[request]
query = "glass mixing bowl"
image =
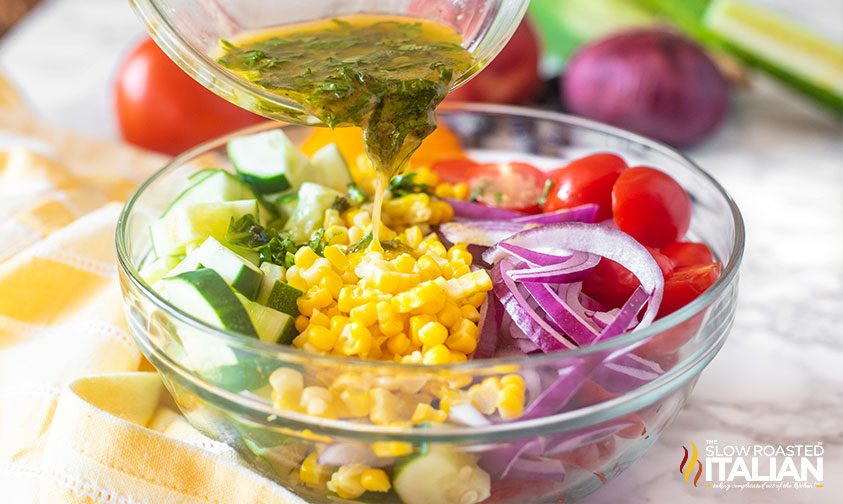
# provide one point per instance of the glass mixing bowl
(189, 32)
(219, 379)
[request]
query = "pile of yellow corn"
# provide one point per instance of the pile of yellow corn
(418, 303)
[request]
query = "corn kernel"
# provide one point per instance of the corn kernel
(461, 191)
(319, 318)
(392, 448)
(432, 334)
(514, 379)
(470, 313)
(305, 256)
(357, 402)
(302, 323)
(338, 323)
(457, 357)
(321, 337)
(311, 473)
(427, 413)
(462, 342)
(336, 257)
(337, 235)
(332, 282)
(375, 480)
(366, 314)
(345, 482)
(444, 190)
(384, 406)
(510, 401)
(398, 344)
(355, 339)
(438, 354)
(316, 401)
(287, 385)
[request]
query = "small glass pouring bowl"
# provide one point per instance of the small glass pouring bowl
(220, 379)
(189, 32)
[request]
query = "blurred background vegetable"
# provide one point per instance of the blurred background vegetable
(161, 108)
(650, 81)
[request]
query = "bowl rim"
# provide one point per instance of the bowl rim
(726, 278)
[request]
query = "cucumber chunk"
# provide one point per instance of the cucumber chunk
(283, 297)
(236, 270)
(271, 274)
(271, 325)
(190, 225)
(331, 168)
(204, 294)
(442, 475)
(211, 186)
(155, 270)
(269, 161)
(314, 199)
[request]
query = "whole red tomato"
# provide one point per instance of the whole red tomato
(161, 108)
(650, 206)
(585, 180)
(512, 77)
(684, 254)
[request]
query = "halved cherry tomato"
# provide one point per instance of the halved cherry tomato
(514, 186)
(610, 284)
(685, 285)
(650, 206)
(684, 254)
(585, 180)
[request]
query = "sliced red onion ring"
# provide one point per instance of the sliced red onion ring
(582, 213)
(339, 454)
(537, 469)
(573, 269)
(568, 441)
(626, 372)
(489, 327)
(466, 414)
(499, 461)
(531, 323)
(468, 210)
(625, 316)
(486, 233)
(533, 257)
(602, 241)
(572, 324)
(556, 396)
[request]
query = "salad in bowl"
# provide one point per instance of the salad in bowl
(533, 309)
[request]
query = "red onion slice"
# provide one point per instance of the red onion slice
(531, 323)
(339, 454)
(489, 327)
(602, 241)
(626, 372)
(574, 269)
(568, 441)
(486, 233)
(559, 393)
(531, 256)
(626, 315)
(468, 210)
(572, 324)
(466, 414)
(537, 469)
(582, 213)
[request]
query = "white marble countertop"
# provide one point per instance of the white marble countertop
(778, 380)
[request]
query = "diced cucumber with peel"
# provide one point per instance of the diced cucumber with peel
(204, 294)
(442, 475)
(269, 161)
(190, 225)
(271, 273)
(271, 325)
(212, 186)
(314, 199)
(283, 297)
(236, 270)
(156, 269)
(331, 168)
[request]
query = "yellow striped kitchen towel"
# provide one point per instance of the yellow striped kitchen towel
(83, 417)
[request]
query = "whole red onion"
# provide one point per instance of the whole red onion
(653, 82)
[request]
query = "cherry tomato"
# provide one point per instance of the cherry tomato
(514, 186)
(585, 180)
(650, 206)
(610, 284)
(684, 254)
(161, 108)
(686, 284)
